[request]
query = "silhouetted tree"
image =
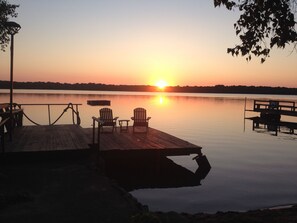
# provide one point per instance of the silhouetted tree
(262, 25)
(6, 10)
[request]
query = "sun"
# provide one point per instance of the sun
(161, 84)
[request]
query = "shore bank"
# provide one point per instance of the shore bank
(62, 191)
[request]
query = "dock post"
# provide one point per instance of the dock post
(98, 136)
(244, 114)
(98, 131)
(93, 131)
(49, 114)
(203, 166)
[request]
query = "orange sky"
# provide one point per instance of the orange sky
(136, 42)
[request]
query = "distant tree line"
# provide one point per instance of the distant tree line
(76, 86)
(238, 89)
(235, 89)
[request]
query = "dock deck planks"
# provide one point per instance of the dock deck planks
(152, 140)
(73, 137)
(47, 138)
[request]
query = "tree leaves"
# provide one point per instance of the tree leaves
(6, 10)
(262, 25)
(228, 4)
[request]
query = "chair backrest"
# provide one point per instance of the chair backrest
(140, 114)
(106, 114)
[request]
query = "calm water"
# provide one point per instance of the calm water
(250, 169)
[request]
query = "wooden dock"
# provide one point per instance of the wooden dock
(73, 137)
(47, 138)
(270, 116)
(274, 108)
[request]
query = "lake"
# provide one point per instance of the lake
(250, 169)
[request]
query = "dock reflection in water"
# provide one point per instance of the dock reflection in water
(142, 170)
(275, 127)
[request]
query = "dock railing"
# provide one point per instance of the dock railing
(264, 105)
(71, 106)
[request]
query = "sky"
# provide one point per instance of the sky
(181, 42)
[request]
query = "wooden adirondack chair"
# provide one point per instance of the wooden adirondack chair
(107, 118)
(140, 119)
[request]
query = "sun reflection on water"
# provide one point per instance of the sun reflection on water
(161, 100)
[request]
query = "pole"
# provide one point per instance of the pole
(49, 114)
(11, 86)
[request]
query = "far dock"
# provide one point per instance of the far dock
(274, 108)
(271, 112)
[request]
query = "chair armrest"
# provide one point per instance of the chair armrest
(100, 120)
(115, 118)
(148, 118)
(132, 118)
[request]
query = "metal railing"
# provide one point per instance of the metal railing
(71, 106)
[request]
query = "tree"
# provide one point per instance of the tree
(262, 25)
(6, 10)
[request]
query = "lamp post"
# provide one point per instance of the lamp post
(12, 29)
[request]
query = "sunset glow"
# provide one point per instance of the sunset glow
(136, 43)
(161, 84)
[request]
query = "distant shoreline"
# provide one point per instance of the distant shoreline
(234, 89)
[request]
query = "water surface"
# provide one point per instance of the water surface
(250, 169)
